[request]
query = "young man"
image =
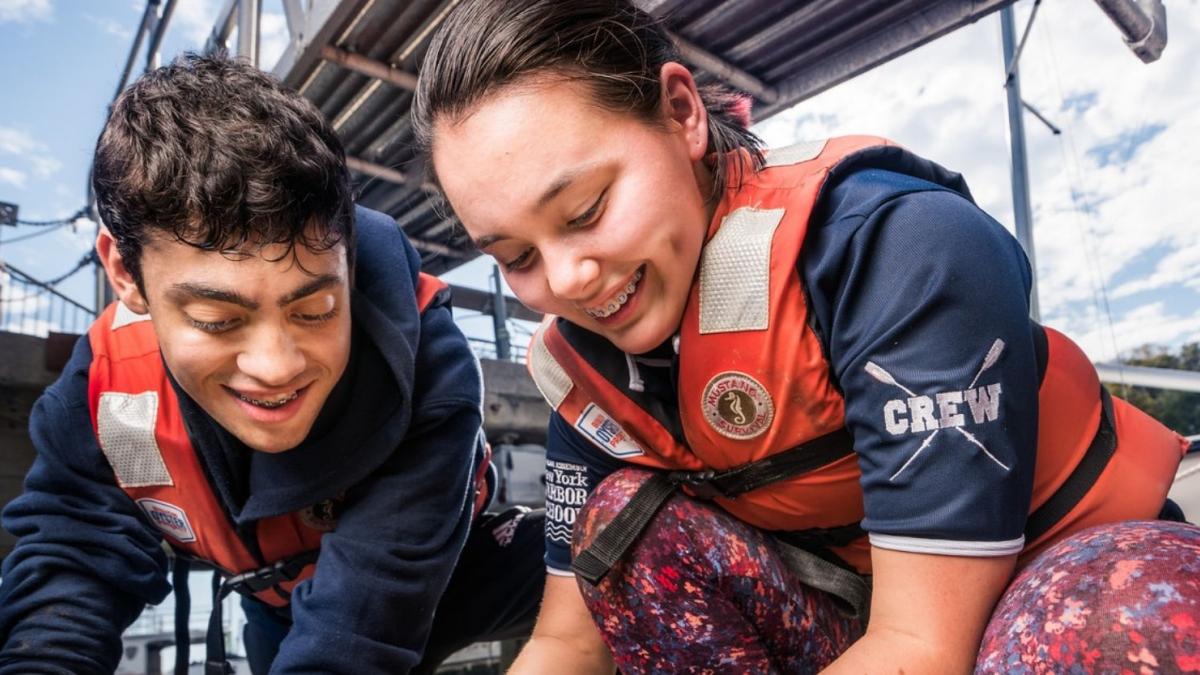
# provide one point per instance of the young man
(278, 394)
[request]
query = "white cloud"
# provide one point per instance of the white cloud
(1111, 195)
(12, 177)
(20, 144)
(111, 26)
(23, 11)
(194, 20)
(1149, 324)
(44, 166)
(15, 142)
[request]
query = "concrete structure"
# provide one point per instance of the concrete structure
(24, 373)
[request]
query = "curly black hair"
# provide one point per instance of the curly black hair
(219, 155)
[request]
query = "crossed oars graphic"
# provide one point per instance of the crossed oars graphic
(876, 371)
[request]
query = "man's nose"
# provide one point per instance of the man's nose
(272, 357)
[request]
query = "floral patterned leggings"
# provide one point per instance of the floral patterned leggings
(702, 592)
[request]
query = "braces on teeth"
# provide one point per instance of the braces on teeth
(270, 404)
(617, 302)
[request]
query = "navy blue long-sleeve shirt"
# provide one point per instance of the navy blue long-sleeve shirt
(403, 451)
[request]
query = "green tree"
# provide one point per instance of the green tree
(1179, 410)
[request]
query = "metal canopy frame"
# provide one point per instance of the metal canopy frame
(358, 61)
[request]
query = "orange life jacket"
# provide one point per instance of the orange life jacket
(137, 419)
(754, 381)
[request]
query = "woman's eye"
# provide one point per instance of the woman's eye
(588, 216)
(520, 261)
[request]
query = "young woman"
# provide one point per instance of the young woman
(820, 361)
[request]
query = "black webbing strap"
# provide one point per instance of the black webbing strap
(183, 608)
(215, 662)
(799, 460)
(851, 591)
(248, 583)
(593, 563)
(1082, 478)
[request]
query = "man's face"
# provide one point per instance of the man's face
(258, 341)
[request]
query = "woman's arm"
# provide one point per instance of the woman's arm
(928, 613)
(564, 639)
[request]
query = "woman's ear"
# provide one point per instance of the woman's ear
(684, 108)
(122, 281)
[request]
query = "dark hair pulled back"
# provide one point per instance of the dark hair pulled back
(614, 48)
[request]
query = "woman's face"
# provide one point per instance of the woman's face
(595, 216)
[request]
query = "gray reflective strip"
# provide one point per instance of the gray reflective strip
(125, 424)
(735, 271)
(550, 378)
(977, 549)
(794, 154)
(125, 316)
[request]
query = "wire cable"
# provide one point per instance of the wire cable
(52, 223)
(38, 233)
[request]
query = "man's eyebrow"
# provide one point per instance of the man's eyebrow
(210, 293)
(320, 283)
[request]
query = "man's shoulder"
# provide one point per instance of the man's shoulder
(382, 251)
(71, 388)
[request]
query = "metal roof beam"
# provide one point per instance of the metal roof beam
(438, 249)
(1143, 23)
(160, 30)
(249, 17)
(382, 172)
(148, 18)
(370, 67)
(223, 28)
(725, 70)
(884, 45)
(302, 60)
(296, 17)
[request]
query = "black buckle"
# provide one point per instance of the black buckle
(700, 484)
(263, 578)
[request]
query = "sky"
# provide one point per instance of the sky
(1118, 255)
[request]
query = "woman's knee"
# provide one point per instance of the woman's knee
(604, 503)
(1121, 594)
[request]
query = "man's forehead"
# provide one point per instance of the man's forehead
(300, 250)
(175, 262)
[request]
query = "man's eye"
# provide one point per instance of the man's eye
(317, 318)
(213, 326)
(520, 261)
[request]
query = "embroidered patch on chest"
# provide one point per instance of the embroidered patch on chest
(169, 519)
(604, 432)
(737, 406)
